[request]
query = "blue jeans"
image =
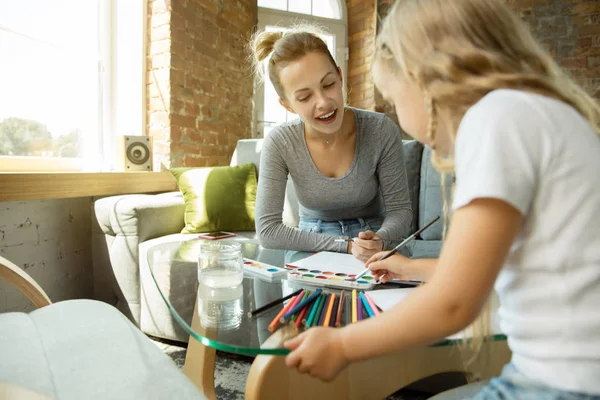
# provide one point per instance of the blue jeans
(343, 227)
(511, 384)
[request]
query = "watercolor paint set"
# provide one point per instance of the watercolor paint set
(332, 270)
(269, 272)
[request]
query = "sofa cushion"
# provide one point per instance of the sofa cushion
(413, 151)
(219, 198)
(248, 150)
(430, 198)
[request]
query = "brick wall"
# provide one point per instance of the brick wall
(361, 43)
(570, 29)
(200, 93)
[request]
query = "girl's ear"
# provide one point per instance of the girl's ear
(340, 73)
(285, 105)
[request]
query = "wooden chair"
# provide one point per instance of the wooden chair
(24, 283)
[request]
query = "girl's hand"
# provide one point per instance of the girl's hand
(364, 247)
(317, 352)
(394, 267)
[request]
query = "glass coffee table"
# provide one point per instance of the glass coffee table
(218, 320)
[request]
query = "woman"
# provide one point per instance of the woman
(467, 78)
(346, 164)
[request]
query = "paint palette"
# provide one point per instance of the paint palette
(261, 269)
(330, 269)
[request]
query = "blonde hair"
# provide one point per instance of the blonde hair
(460, 51)
(285, 47)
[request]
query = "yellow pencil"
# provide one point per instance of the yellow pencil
(329, 310)
(354, 311)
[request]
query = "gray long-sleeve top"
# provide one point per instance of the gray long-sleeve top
(375, 184)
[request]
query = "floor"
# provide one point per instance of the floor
(230, 367)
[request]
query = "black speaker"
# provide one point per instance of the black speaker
(135, 153)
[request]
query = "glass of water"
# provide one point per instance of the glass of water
(220, 307)
(220, 264)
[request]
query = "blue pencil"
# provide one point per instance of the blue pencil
(300, 305)
(366, 305)
(324, 309)
(358, 309)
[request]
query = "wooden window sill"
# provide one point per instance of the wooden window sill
(20, 186)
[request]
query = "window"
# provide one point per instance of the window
(280, 15)
(317, 8)
(59, 73)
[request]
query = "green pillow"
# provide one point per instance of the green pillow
(218, 198)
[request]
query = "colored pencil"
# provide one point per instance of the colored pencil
(324, 310)
(336, 304)
(400, 246)
(354, 309)
(273, 303)
(315, 310)
(372, 304)
(340, 310)
(366, 305)
(329, 310)
(315, 321)
(311, 307)
(273, 325)
(293, 304)
(359, 308)
(306, 300)
(294, 311)
(301, 315)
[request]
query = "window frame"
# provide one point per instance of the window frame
(111, 117)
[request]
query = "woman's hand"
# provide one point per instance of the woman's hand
(394, 267)
(317, 352)
(364, 247)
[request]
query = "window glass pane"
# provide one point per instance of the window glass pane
(300, 6)
(276, 4)
(49, 74)
(326, 9)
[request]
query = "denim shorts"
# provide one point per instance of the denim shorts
(343, 227)
(511, 385)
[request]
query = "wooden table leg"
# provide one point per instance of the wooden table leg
(199, 364)
(372, 379)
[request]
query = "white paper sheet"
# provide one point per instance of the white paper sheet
(388, 298)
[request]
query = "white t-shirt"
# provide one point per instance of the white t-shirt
(542, 157)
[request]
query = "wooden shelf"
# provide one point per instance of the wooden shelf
(56, 185)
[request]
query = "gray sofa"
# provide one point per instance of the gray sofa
(126, 226)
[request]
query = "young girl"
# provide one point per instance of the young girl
(346, 164)
(467, 79)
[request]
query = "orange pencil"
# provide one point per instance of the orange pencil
(329, 309)
(273, 325)
(340, 310)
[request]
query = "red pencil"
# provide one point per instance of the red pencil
(301, 316)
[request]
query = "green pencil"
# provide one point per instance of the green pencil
(315, 319)
(313, 307)
(315, 311)
(306, 294)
